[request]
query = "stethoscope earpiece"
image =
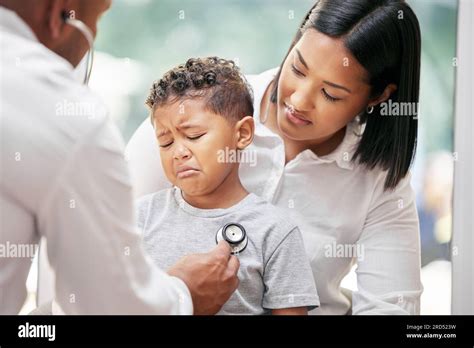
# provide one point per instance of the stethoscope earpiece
(234, 234)
(65, 16)
(88, 35)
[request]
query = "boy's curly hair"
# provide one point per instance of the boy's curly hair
(218, 80)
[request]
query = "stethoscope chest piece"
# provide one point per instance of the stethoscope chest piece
(235, 235)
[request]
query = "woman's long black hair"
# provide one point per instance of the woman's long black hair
(384, 37)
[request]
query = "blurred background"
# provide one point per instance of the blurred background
(139, 40)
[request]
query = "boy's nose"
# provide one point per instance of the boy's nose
(181, 152)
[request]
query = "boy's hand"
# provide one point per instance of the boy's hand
(211, 278)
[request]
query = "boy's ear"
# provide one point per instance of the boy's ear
(245, 129)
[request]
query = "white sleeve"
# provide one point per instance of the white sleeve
(93, 246)
(144, 161)
(388, 272)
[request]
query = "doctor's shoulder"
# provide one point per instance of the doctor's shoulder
(54, 79)
(60, 101)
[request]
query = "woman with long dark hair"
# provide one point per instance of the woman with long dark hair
(333, 148)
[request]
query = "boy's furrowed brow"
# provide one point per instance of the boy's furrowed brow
(187, 125)
(162, 133)
(182, 126)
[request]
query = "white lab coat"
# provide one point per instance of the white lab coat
(64, 177)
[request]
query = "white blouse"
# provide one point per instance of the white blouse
(342, 210)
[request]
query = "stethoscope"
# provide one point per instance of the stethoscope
(234, 234)
(88, 34)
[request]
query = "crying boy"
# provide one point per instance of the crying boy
(201, 110)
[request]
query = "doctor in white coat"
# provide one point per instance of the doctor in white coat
(64, 177)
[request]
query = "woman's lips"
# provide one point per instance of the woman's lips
(295, 118)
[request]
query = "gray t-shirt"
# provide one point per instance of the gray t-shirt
(274, 269)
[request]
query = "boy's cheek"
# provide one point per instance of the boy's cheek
(168, 168)
(171, 178)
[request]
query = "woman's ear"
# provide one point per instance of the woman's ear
(245, 129)
(391, 88)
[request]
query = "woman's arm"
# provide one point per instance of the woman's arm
(388, 272)
(143, 155)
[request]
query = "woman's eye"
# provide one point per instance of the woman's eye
(195, 137)
(328, 96)
(166, 145)
(296, 71)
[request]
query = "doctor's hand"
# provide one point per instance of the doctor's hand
(211, 278)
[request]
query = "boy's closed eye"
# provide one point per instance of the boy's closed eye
(190, 137)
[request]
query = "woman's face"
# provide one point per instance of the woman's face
(322, 87)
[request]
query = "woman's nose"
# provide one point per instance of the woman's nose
(302, 100)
